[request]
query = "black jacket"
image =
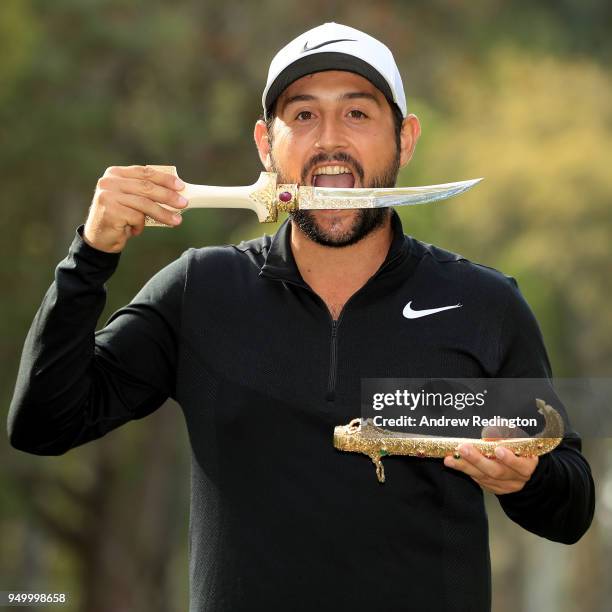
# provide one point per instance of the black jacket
(280, 520)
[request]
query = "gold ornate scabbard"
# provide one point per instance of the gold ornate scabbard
(362, 436)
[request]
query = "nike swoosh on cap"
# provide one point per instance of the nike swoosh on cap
(329, 42)
(410, 313)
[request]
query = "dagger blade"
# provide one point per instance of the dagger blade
(317, 198)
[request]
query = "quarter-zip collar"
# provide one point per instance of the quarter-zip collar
(280, 264)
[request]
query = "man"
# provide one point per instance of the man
(264, 346)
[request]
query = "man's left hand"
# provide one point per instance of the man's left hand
(504, 474)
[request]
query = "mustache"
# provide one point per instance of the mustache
(338, 157)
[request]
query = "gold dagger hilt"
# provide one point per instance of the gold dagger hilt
(264, 197)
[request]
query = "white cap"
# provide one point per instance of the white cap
(333, 46)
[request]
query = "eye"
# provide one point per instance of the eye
(304, 116)
(357, 114)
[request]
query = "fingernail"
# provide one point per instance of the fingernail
(183, 200)
(500, 452)
(177, 218)
(179, 184)
(465, 451)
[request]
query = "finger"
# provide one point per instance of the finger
(487, 466)
(523, 466)
(463, 466)
(500, 487)
(145, 206)
(123, 219)
(137, 230)
(493, 431)
(171, 181)
(473, 463)
(143, 188)
(504, 480)
(497, 486)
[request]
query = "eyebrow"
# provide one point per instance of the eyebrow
(353, 95)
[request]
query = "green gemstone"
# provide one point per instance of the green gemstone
(383, 452)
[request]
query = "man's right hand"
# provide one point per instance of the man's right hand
(123, 196)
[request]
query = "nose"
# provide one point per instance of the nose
(331, 135)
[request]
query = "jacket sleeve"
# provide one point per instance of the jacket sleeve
(75, 384)
(558, 501)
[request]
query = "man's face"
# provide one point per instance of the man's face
(334, 129)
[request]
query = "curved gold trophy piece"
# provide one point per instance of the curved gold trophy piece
(267, 198)
(362, 436)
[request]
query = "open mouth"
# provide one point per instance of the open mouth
(333, 176)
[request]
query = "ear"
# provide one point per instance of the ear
(411, 130)
(262, 142)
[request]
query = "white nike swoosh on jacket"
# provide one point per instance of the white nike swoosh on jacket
(409, 313)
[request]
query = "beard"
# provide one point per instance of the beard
(365, 221)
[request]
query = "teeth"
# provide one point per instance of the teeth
(332, 170)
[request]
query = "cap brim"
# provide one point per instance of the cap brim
(321, 62)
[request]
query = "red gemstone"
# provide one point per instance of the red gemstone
(285, 196)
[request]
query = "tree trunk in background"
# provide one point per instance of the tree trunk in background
(589, 571)
(159, 523)
(507, 551)
(130, 545)
(544, 568)
(125, 530)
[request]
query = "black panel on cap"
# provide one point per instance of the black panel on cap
(320, 62)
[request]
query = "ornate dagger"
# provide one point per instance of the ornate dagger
(267, 198)
(362, 436)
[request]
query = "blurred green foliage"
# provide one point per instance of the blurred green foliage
(518, 92)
